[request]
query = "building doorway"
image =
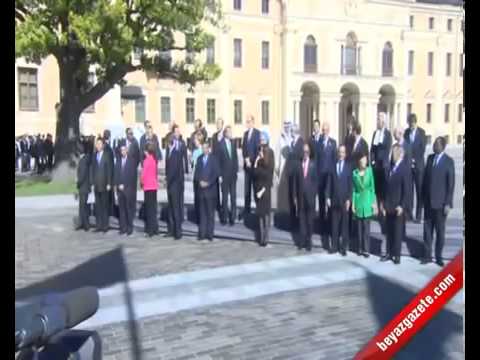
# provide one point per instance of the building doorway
(386, 104)
(309, 108)
(348, 108)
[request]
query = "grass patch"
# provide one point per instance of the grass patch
(43, 186)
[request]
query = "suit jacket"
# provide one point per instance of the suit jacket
(309, 184)
(264, 174)
(380, 153)
(83, 175)
(176, 164)
(398, 188)
(209, 173)
(250, 148)
(126, 176)
(439, 182)
(143, 144)
(204, 133)
(133, 149)
(215, 141)
(102, 173)
(325, 156)
(296, 152)
(228, 165)
(339, 187)
(363, 195)
(417, 147)
(357, 152)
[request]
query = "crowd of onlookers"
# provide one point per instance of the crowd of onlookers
(34, 153)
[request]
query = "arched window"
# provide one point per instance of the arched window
(387, 60)
(351, 55)
(310, 55)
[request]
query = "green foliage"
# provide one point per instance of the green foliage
(104, 33)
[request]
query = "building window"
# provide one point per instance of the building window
(448, 70)
(447, 113)
(429, 113)
(265, 112)
(265, 54)
(449, 25)
(411, 62)
(429, 139)
(310, 55)
(460, 72)
(265, 6)
(431, 23)
(211, 54)
(237, 106)
(210, 111)
(387, 60)
(430, 63)
(165, 109)
(447, 139)
(190, 110)
(460, 113)
(459, 139)
(409, 109)
(140, 109)
(237, 4)
(90, 84)
(351, 56)
(412, 21)
(237, 53)
(28, 89)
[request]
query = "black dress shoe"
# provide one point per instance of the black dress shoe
(385, 258)
(396, 260)
(425, 261)
(86, 229)
(232, 222)
(440, 262)
(129, 233)
(121, 232)
(344, 253)
(331, 251)
(365, 254)
(168, 234)
(307, 249)
(97, 230)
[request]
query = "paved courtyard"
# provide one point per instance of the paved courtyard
(230, 299)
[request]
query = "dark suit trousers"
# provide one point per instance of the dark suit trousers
(340, 222)
(395, 232)
(219, 199)
(196, 201)
(363, 233)
(126, 208)
(101, 210)
(175, 214)
(294, 192)
(434, 221)
(248, 190)
(380, 182)
(207, 217)
(324, 221)
(417, 182)
(83, 211)
(229, 191)
(306, 219)
(151, 221)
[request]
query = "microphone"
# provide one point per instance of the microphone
(40, 318)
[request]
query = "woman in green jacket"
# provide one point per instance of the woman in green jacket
(363, 203)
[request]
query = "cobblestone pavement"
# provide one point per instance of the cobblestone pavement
(331, 322)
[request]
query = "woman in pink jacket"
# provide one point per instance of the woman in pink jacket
(149, 184)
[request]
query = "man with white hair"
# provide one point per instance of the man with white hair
(380, 155)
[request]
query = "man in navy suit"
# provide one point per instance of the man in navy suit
(250, 148)
(394, 204)
(407, 157)
(380, 155)
(226, 154)
(102, 180)
(438, 187)
(133, 148)
(294, 165)
(338, 193)
(84, 187)
(176, 165)
(125, 179)
(206, 174)
(415, 137)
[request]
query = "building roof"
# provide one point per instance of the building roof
(442, 2)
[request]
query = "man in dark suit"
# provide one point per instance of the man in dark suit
(198, 129)
(125, 179)
(438, 188)
(215, 141)
(226, 154)
(49, 150)
(338, 193)
(206, 174)
(176, 166)
(359, 147)
(133, 148)
(380, 155)
(110, 155)
(294, 165)
(394, 204)
(149, 136)
(308, 194)
(102, 185)
(250, 148)
(416, 138)
(83, 187)
(398, 136)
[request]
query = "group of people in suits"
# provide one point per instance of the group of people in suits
(34, 153)
(352, 182)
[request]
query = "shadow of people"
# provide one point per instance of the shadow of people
(102, 271)
(387, 299)
(415, 247)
